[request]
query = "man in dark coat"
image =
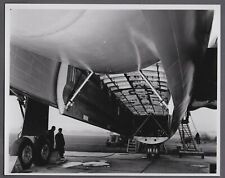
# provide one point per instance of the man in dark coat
(50, 136)
(60, 142)
(197, 138)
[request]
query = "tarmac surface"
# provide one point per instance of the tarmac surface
(124, 163)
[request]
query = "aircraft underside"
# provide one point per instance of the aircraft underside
(123, 103)
(121, 108)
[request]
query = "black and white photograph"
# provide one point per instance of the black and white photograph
(112, 89)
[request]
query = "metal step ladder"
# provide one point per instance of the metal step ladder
(187, 139)
(189, 145)
(132, 146)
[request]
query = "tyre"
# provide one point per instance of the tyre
(25, 153)
(42, 151)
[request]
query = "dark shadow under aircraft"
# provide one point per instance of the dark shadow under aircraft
(134, 72)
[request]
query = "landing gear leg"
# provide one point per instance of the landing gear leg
(152, 151)
(33, 145)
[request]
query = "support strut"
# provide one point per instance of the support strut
(140, 127)
(71, 100)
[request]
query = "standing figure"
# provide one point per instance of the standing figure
(60, 143)
(197, 138)
(50, 136)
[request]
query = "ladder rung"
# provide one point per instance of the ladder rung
(131, 146)
(185, 135)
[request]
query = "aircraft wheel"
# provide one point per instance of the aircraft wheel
(42, 151)
(25, 153)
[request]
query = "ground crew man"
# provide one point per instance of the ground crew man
(50, 136)
(60, 143)
(197, 138)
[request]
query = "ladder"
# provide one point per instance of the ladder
(189, 145)
(132, 145)
(187, 139)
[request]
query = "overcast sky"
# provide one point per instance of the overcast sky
(205, 120)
